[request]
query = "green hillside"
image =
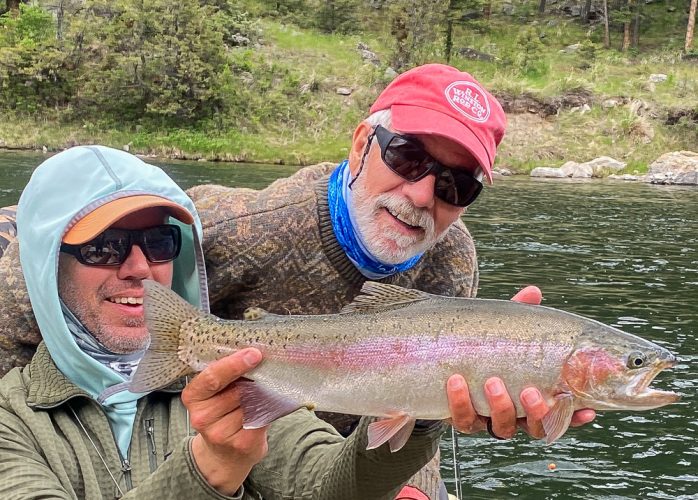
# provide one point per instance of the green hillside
(286, 82)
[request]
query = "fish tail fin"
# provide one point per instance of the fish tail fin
(557, 420)
(395, 430)
(165, 311)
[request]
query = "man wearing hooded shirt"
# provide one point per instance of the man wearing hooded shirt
(93, 223)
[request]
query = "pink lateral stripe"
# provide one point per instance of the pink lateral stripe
(389, 353)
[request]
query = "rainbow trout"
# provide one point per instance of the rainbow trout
(389, 353)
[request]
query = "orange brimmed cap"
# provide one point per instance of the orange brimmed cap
(102, 217)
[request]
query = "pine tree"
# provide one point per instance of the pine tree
(336, 16)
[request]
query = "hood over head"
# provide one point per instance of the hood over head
(77, 194)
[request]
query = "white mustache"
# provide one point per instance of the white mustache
(406, 211)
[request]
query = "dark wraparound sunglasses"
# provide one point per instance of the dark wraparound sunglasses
(408, 159)
(112, 247)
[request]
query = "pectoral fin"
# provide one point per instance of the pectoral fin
(557, 420)
(261, 406)
(396, 430)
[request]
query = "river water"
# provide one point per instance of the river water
(625, 254)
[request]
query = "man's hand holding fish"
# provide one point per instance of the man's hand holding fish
(223, 450)
(502, 422)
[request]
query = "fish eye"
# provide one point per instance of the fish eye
(636, 360)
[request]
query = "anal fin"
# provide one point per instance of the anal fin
(395, 430)
(261, 406)
(557, 420)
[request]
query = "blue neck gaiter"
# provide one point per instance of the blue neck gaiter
(339, 198)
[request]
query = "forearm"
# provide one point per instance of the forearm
(308, 459)
(27, 477)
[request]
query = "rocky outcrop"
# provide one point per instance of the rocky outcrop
(547, 172)
(598, 167)
(678, 167)
(367, 54)
(529, 103)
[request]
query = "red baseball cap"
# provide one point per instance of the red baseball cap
(442, 100)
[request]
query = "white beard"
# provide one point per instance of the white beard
(387, 244)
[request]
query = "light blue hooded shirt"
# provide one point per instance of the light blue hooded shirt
(61, 191)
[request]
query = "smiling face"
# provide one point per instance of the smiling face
(109, 300)
(398, 219)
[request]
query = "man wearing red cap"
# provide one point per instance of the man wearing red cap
(390, 212)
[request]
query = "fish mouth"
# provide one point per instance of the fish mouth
(638, 393)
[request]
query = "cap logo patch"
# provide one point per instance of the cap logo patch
(469, 99)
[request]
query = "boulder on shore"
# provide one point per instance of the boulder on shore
(598, 167)
(678, 167)
(577, 170)
(547, 172)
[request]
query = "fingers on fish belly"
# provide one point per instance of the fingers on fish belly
(395, 430)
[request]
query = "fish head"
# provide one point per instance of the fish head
(612, 370)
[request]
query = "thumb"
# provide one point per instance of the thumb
(529, 295)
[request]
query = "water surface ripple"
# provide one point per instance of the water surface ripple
(624, 254)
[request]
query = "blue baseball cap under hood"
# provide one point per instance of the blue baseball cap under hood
(61, 191)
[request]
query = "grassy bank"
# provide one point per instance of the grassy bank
(300, 118)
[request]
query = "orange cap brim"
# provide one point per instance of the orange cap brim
(102, 217)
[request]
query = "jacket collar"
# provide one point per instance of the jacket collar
(48, 387)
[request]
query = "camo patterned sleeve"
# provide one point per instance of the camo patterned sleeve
(19, 333)
(8, 227)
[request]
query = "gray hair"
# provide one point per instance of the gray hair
(384, 118)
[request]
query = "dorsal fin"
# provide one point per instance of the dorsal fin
(380, 296)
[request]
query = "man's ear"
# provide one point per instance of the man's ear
(358, 146)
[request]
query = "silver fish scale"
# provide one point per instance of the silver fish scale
(407, 353)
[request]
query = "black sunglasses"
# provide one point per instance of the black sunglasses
(408, 159)
(113, 246)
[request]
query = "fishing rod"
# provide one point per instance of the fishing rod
(456, 463)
